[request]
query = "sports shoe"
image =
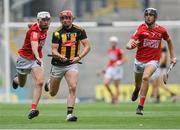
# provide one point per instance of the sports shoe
(135, 95)
(71, 117)
(33, 113)
(14, 84)
(46, 87)
(139, 110)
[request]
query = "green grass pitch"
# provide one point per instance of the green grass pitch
(96, 115)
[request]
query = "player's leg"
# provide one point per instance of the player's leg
(155, 90)
(138, 81)
(155, 82)
(52, 85)
(23, 68)
(38, 76)
(118, 75)
(117, 85)
(71, 77)
(138, 72)
(108, 77)
(19, 80)
(148, 71)
(107, 81)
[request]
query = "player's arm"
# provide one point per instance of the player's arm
(132, 44)
(86, 44)
(171, 50)
(86, 49)
(34, 45)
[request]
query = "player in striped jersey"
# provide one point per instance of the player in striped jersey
(66, 43)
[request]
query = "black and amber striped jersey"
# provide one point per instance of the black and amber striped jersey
(69, 43)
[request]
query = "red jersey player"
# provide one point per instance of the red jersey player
(114, 70)
(30, 59)
(147, 39)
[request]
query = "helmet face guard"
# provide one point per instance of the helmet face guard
(43, 18)
(43, 15)
(151, 12)
(68, 15)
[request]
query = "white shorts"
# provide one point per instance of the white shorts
(24, 66)
(139, 66)
(116, 73)
(157, 73)
(59, 71)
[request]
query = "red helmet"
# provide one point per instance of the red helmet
(67, 13)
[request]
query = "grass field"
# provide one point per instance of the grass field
(92, 116)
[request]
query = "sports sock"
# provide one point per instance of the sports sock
(142, 100)
(33, 106)
(70, 110)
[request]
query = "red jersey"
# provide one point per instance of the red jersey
(115, 54)
(33, 34)
(150, 42)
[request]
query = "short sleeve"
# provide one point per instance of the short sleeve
(165, 34)
(82, 35)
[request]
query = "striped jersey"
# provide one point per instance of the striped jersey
(69, 43)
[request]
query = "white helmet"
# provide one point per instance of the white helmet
(113, 39)
(43, 14)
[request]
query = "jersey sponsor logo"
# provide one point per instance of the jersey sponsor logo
(145, 33)
(151, 43)
(70, 43)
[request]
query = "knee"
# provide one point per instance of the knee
(39, 83)
(145, 78)
(72, 88)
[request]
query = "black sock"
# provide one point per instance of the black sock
(70, 110)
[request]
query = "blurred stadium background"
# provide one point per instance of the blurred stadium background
(101, 19)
